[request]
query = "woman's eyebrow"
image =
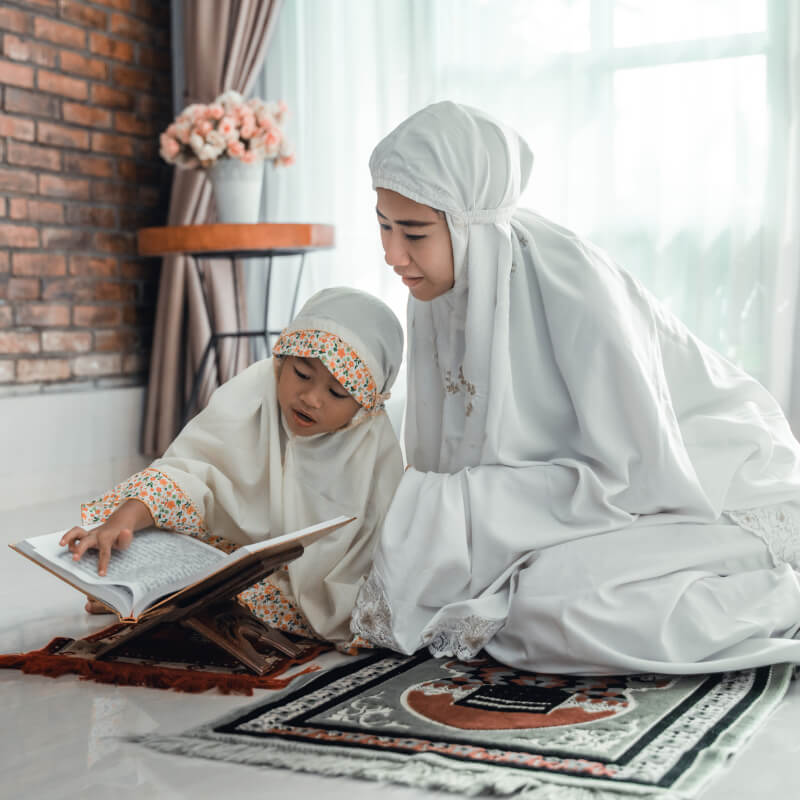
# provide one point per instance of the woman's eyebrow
(407, 223)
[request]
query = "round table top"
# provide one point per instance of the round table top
(226, 239)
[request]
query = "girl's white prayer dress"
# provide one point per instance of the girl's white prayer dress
(592, 489)
(236, 473)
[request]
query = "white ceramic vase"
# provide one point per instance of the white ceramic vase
(237, 189)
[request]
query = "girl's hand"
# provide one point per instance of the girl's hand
(102, 538)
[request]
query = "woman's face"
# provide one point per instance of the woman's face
(417, 244)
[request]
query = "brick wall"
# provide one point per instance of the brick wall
(85, 91)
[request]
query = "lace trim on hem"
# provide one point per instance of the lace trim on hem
(462, 637)
(372, 616)
(778, 526)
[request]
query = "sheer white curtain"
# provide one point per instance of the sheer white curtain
(660, 130)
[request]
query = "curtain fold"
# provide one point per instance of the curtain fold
(784, 372)
(224, 45)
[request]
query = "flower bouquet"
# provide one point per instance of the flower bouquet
(225, 139)
(228, 128)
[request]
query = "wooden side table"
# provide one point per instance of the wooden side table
(229, 241)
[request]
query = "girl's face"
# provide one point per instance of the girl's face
(311, 399)
(417, 244)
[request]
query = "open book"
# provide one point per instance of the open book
(159, 566)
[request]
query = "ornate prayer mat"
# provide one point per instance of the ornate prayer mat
(168, 657)
(473, 727)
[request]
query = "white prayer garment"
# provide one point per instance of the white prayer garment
(250, 478)
(592, 489)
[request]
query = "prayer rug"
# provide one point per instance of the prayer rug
(478, 727)
(168, 657)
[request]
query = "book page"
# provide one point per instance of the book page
(154, 558)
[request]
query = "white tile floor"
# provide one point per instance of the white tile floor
(60, 738)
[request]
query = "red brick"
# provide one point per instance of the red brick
(111, 48)
(44, 55)
(151, 11)
(13, 20)
(59, 32)
(15, 74)
(96, 364)
(50, 4)
(125, 122)
(116, 340)
(120, 5)
(42, 314)
(42, 369)
(136, 172)
(149, 195)
(97, 316)
(35, 264)
(17, 342)
(66, 341)
(33, 104)
(55, 186)
(63, 85)
(62, 136)
(3, 207)
(89, 265)
(75, 289)
(84, 15)
(3, 288)
(111, 98)
(87, 116)
(135, 362)
(129, 28)
(6, 369)
(81, 65)
(115, 242)
(36, 210)
(132, 78)
(18, 236)
(148, 104)
(23, 289)
(5, 316)
(5, 261)
(96, 166)
(111, 143)
(17, 180)
(106, 192)
(93, 216)
(151, 58)
(66, 238)
(115, 290)
(16, 127)
(29, 155)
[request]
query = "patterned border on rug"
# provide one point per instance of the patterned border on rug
(477, 726)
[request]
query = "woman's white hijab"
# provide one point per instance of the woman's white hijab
(462, 162)
(250, 478)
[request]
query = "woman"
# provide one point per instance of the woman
(591, 489)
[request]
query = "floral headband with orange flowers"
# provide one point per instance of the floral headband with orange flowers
(340, 359)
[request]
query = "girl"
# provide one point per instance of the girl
(291, 441)
(591, 488)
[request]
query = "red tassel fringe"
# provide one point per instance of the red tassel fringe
(47, 662)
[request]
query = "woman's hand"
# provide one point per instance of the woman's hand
(103, 538)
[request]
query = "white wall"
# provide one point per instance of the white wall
(75, 444)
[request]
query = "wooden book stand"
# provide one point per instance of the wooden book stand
(210, 608)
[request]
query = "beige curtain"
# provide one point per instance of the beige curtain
(224, 42)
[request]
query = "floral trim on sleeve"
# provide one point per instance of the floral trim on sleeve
(170, 507)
